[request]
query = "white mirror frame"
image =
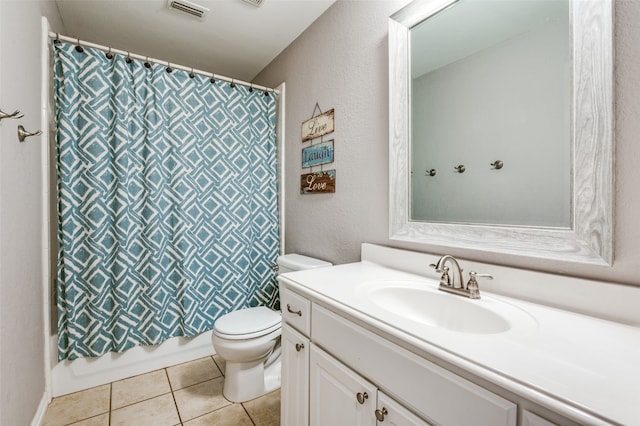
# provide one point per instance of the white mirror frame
(591, 238)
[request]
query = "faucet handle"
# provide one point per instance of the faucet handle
(472, 285)
(445, 279)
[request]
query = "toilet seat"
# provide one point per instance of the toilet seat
(247, 323)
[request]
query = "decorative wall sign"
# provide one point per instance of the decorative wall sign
(318, 126)
(318, 182)
(315, 155)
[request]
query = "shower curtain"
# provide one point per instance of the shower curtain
(167, 201)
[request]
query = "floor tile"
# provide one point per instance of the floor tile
(78, 406)
(101, 420)
(139, 388)
(158, 411)
(200, 399)
(233, 415)
(192, 373)
(265, 410)
(220, 362)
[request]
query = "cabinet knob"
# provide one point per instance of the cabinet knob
(298, 313)
(299, 347)
(362, 397)
(380, 414)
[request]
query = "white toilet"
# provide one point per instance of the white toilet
(249, 341)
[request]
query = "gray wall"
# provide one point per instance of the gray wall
(22, 335)
(341, 62)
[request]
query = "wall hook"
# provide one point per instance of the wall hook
(15, 114)
(497, 164)
(23, 134)
(460, 168)
(431, 172)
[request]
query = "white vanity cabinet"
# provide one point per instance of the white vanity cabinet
(295, 378)
(340, 396)
(350, 373)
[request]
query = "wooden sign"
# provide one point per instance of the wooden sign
(316, 155)
(318, 182)
(318, 126)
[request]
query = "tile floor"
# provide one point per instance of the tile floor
(188, 394)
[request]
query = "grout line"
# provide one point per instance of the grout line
(218, 365)
(110, 401)
(175, 403)
(248, 415)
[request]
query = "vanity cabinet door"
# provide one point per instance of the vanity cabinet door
(338, 396)
(294, 405)
(530, 419)
(390, 413)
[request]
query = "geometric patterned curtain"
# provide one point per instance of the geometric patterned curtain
(167, 202)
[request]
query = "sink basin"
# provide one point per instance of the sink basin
(422, 303)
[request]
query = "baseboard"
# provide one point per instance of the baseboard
(42, 409)
(84, 373)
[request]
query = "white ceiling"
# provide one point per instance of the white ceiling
(234, 39)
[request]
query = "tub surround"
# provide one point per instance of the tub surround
(581, 367)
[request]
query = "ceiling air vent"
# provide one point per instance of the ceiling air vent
(256, 3)
(188, 7)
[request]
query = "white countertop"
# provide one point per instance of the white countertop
(584, 368)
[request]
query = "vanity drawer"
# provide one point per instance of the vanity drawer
(431, 391)
(296, 310)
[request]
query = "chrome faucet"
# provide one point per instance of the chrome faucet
(455, 284)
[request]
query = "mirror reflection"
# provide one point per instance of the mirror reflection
(490, 88)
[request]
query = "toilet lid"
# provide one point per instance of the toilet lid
(248, 321)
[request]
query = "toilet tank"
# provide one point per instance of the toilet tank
(297, 262)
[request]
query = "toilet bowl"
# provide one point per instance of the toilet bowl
(249, 342)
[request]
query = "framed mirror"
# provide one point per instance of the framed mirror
(501, 126)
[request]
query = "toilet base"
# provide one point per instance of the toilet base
(245, 381)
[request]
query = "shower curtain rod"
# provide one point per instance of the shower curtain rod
(79, 42)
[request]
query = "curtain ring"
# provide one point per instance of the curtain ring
(250, 87)
(109, 55)
(128, 59)
(147, 64)
(192, 74)
(266, 92)
(57, 40)
(213, 78)
(233, 84)
(169, 69)
(79, 48)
